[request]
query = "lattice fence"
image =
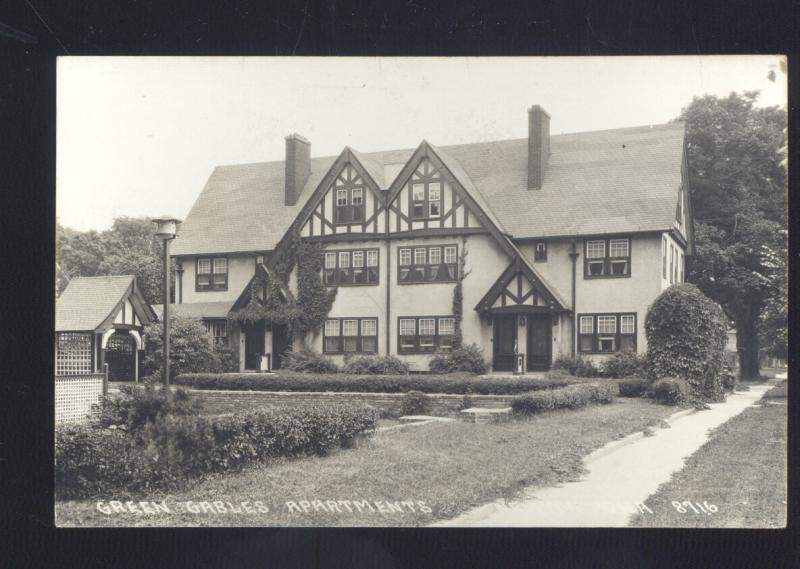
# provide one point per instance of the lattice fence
(75, 395)
(73, 353)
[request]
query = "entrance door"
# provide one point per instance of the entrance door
(505, 337)
(539, 332)
(120, 351)
(280, 343)
(253, 344)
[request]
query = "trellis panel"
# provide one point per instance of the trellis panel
(73, 353)
(75, 395)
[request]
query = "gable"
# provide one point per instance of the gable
(518, 287)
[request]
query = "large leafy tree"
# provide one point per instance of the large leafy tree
(739, 200)
(130, 247)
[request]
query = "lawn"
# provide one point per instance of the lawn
(741, 470)
(405, 478)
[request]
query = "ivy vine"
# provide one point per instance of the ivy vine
(458, 294)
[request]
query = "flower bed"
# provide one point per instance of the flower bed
(292, 381)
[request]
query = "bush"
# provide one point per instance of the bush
(686, 337)
(308, 361)
(624, 364)
(383, 365)
(292, 381)
(576, 366)
(571, 397)
(173, 448)
(227, 359)
(633, 387)
(465, 358)
(671, 391)
(190, 348)
(414, 403)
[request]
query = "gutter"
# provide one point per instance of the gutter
(573, 255)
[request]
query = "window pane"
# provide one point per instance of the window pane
(427, 326)
(418, 209)
(331, 343)
(358, 258)
(405, 256)
(369, 327)
(369, 344)
(372, 258)
(372, 274)
(435, 191)
(585, 344)
(359, 276)
(331, 327)
(606, 344)
(618, 247)
(619, 267)
(407, 326)
(445, 342)
(449, 255)
(627, 343)
(595, 249)
(330, 260)
(358, 196)
(435, 255)
(220, 265)
(418, 192)
(349, 327)
(344, 260)
(203, 266)
(627, 324)
(419, 256)
(330, 276)
(587, 325)
(433, 209)
(607, 324)
(350, 343)
(203, 280)
(220, 279)
(341, 197)
(447, 326)
(596, 268)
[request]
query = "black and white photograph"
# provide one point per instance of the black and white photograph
(465, 292)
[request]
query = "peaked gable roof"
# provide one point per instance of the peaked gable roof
(88, 302)
(601, 182)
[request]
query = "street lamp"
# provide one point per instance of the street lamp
(166, 230)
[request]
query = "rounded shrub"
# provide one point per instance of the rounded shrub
(671, 391)
(376, 365)
(686, 336)
(414, 403)
(623, 364)
(308, 361)
(633, 387)
(467, 358)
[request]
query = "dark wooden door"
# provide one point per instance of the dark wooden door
(539, 332)
(120, 351)
(253, 344)
(281, 342)
(505, 338)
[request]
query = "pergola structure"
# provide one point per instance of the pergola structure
(101, 320)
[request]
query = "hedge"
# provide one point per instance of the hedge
(167, 452)
(633, 387)
(571, 397)
(291, 381)
(671, 391)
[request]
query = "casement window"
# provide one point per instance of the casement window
(425, 334)
(607, 258)
(351, 267)
(426, 200)
(349, 205)
(211, 274)
(606, 333)
(540, 251)
(350, 335)
(436, 263)
(218, 330)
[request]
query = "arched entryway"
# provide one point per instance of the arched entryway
(120, 356)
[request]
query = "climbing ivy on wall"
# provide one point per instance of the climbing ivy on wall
(458, 294)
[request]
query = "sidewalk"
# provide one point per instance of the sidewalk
(620, 476)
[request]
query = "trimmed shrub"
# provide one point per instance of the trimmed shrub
(292, 381)
(633, 387)
(190, 348)
(467, 358)
(571, 397)
(686, 337)
(382, 365)
(624, 364)
(308, 361)
(671, 391)
(227, 359)
(576, 366)
(414, 403)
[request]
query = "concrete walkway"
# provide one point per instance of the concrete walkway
(621, 475)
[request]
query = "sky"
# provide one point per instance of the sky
(139, 136)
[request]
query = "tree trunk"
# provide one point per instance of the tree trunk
(747, 346)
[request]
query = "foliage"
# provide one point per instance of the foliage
(738, 187)
(576, 366)
(308, 361)
(138, 406)
(290, 381)
(414, 403)
(130, 247)
(624, 364)
(458, 294)
(571, 397)
(686, 337)
(634, 387)
(378, 365)
(465, 359)
(170, 449)
(671, 391)
(190, 349)
(227, 358)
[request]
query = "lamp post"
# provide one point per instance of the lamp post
(166, 230)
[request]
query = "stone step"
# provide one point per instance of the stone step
(419, 418)
(485, 415)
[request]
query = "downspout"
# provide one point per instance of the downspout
(388, 292)
(573, 255)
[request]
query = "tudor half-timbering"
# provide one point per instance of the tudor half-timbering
(560, 244)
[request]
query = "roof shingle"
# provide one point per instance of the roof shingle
(88, 301)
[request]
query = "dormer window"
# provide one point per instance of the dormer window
(426, 200)
(540, 252)
(350, 205)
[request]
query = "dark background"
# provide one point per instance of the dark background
(34, 32)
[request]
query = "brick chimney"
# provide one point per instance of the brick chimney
(298, 167)
(538, 146)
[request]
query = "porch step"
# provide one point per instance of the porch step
(485, 415)
(419, 418)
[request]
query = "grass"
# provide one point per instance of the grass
(741, 470)
(450, 467)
